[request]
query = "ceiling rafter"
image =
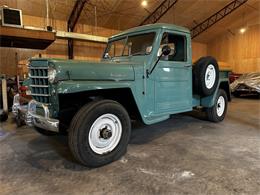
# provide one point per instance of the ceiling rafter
(72, 21)
(159, 12)
(213, 19)
(75, 13)
(115, 5)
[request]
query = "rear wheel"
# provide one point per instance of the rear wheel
(99, 133)
(217, 113)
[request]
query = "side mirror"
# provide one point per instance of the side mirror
(166, 50)
(106, 56)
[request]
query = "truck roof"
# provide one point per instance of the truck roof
(151, 27)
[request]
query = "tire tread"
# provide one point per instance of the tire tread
(74, 134)
(199, 71)
(212, 113)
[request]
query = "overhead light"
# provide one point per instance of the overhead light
(144, 3)
(242, 30)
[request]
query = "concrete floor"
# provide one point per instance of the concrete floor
(183, 155)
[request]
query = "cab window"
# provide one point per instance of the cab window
(136, 45)
(139, 44)
(116, 48)
(177, 43)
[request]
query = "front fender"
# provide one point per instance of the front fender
(65, 87)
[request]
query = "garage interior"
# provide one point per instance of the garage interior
(184, 154)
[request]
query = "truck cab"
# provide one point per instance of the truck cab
(146, 73)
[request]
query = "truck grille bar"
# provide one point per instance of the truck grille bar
(40, 84)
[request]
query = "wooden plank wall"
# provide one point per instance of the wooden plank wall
(82, 50)
(198, 50)
(241, 51)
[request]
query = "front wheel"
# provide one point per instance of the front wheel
(218, 111)
(99, 133)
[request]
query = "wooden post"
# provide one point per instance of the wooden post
(4, 95)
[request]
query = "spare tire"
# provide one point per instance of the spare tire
(205, 76)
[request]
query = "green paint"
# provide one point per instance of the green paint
(168, 90)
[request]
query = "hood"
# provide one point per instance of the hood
(84, 70)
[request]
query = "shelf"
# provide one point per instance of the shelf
(25, 38)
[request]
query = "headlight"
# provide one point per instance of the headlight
(51, 74)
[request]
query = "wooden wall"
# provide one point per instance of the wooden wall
(241, 51)
(198, 50)
(82, 50)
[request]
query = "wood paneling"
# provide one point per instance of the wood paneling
(124, 14)
(241, 51)
(198, 50)
(247, 14)
(82, 50)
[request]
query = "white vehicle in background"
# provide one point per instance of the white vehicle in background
(247, 84)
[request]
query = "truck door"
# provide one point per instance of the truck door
(173, 75)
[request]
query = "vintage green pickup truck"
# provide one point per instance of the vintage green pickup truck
(146, 73)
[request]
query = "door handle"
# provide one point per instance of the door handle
(188, 65)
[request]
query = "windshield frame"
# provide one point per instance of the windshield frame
(125, 37)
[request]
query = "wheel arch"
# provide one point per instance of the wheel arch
(70, 103)
(208, 101)
(225, 86)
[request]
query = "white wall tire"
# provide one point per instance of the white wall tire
(99, 133)
(217, 112)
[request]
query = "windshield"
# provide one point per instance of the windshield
(130, 46)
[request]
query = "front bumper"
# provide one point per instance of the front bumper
(28, 114)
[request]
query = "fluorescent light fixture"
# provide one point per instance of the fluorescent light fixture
(144, 3)
(242, 30)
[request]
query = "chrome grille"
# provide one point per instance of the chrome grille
(40, 84)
